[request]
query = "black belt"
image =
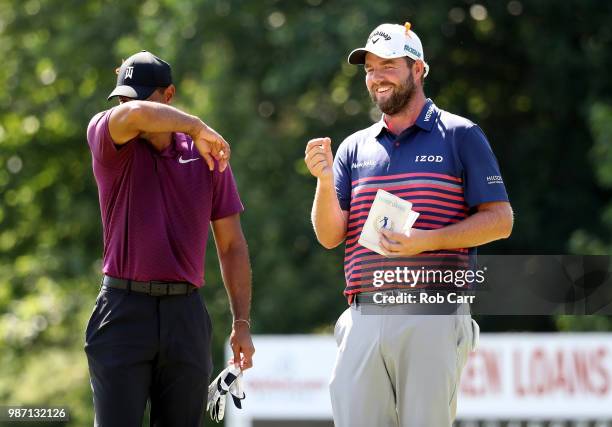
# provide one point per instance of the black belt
(154, 287)
(372, 302)
(368, 297)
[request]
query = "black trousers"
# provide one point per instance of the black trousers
(141, 347)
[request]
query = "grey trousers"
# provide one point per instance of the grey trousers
(399, 369)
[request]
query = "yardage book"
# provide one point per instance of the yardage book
(390, 212)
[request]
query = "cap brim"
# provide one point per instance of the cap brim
(357, 57)
(134, 92)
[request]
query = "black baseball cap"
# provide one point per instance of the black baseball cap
(140, 75)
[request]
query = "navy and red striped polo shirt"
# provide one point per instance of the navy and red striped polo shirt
(443, 165)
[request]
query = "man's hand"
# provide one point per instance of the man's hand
(398, 244)
(211, 145)
(329, 220)
(319, 158)
(242, 345)
(492, 221)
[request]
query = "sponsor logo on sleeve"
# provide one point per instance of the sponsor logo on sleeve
(494, 179)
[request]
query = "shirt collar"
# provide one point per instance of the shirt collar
(179, 144)
(428, 115)
(378, 127)
(183, 142)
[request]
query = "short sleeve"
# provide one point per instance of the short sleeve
(342, 177)
(225, 200)
(482, 178)
(102, 146)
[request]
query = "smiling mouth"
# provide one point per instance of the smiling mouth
(383, 89)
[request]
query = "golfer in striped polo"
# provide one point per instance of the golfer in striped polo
(403, 370)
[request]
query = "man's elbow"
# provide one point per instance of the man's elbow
(329, 235)
(506, 222)
(128, 116)
(237, 247)
(133, 115)
(329, 243)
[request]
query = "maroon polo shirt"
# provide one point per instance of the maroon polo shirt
(156, 206)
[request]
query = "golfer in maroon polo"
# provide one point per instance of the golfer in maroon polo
(163, 177)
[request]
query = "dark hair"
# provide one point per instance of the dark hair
(410, 63)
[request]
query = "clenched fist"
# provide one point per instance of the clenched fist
(319, 158)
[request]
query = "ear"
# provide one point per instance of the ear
(418, 69)
(169, 94)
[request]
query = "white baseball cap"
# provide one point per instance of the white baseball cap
(391, 41)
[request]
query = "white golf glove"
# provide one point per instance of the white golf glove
(229, 381)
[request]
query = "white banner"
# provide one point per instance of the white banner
(526, 376)
(289, 379)
(538, 376)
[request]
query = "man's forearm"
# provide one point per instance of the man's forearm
(133, 118)
(327, 217)
(236, 270)
(155, 117)
(477, 229)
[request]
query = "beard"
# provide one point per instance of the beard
(400, 96)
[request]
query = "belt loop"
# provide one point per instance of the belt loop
(129, 286)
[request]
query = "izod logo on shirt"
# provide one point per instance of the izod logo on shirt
(428, 159)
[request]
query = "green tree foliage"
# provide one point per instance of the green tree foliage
(269, 75)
